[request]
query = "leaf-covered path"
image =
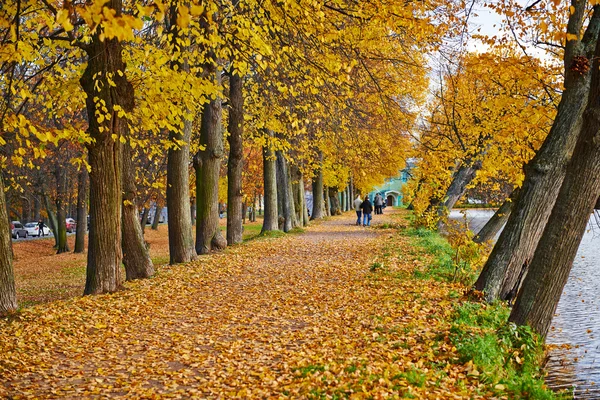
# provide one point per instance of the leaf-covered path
(299, 316)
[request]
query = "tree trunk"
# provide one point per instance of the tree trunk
(557, 248)
(208, 165)
(82, 204)
(179, 219)
(327, 201)
(352, 193)
(544, 173)
(136, 256)
(290, 198)
(104, 249)
(144, 218)
(283, 192)
(61, 209)
(193, 211)
(235, 164)
(36, 208)
(157, 213)
(8, 294)
(52, 222)
(334, 201)
(493, 226)
(270, 222)
(460, 180)
(317, 191)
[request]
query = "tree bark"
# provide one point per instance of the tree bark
(291, 201)
(317, 191)
(181, 239)
(334, 201)
(157, 213)
(104, 248)
(36, 207)
(327, 201)
(270, 222)
(51, 219)
(136, 256)
(144, 219)
(545, 172)
(493, 226)
(82, 204)
(8, 293)
(283, 193)
(557, 248)
(208, 165)
(61, 209)
(235, 163)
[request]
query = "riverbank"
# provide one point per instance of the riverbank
(336, 311)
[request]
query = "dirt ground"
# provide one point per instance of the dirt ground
(42, 275)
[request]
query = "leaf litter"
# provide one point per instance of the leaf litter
(300, 316)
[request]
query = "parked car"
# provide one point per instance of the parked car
(33, 229)
(17, 230)
(71, 225)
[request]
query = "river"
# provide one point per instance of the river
(574, 338)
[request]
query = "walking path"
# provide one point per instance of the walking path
(301, 316)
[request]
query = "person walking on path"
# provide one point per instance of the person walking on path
(357, 203)
(378, 203)
(367, 209)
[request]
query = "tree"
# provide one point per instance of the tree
(235, 162)
(8, 296)
(553, 258)
(271, 220)
(136, 256)
(108, 92)
(545, 172)
(181, 242)
(82, 206)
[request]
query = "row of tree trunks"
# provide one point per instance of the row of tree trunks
(553, 259)
(82, 199)
(181, 239)
(270, 222)
(235, 164)
(136, 256)
(545, 172)
(104, 58)
(495, 224)
(8, 294)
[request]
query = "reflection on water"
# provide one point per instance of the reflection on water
(574, 339)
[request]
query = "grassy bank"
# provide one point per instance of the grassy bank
(505, 358)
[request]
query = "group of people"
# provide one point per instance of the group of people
(364, 209)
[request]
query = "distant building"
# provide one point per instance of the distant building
(391, 189)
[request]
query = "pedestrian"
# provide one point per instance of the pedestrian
(367, 209)
(40, 228)
(357, 203)
(378, 204)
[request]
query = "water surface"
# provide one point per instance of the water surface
(574, 338)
